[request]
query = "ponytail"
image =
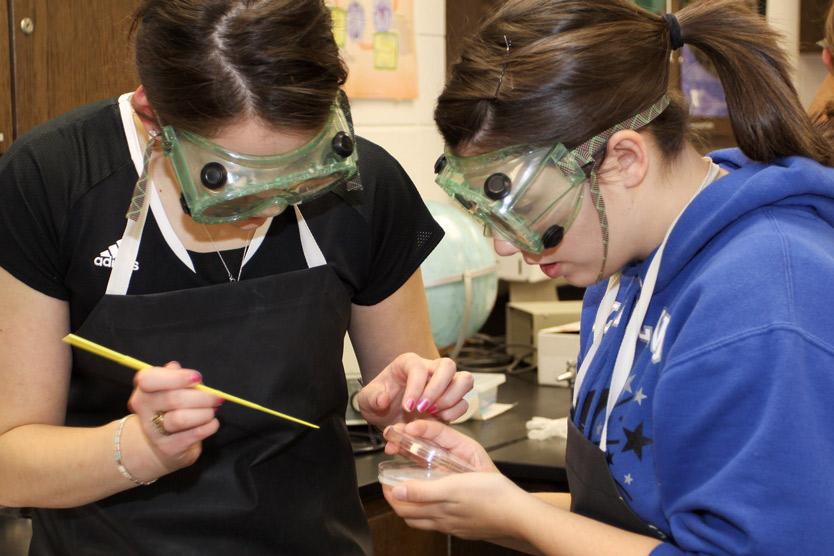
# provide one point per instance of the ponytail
(767, 117)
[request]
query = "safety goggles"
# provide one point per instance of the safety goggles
(527, 194)
(219, 185)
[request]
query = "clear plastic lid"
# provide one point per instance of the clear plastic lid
(425, 453)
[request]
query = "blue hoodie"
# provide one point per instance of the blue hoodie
(723, 437)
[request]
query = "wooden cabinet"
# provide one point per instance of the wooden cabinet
(6, 120)
(59, 55)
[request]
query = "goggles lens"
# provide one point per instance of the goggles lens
(219, 185)
(527, 195)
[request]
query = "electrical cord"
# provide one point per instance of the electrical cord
(484, 353)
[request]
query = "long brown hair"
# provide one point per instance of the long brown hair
(539, 71)
(204, 63)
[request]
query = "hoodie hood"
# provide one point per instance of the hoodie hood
(750, 185)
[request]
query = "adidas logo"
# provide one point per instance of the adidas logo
(107, 257)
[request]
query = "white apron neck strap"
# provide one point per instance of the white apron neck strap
(312, 252)
(603, 312)
(122, 269)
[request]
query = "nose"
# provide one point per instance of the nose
(504, 248)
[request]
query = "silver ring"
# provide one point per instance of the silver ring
(158, 422)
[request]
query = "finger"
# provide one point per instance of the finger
(184, 398)
(416, 373)
(374, 398)
(423, 524)
(460, 384)
(180, 420)
(143, 403)
(154, 379)
(441, 373)
(419, 492)
(457, 443)
(439, 433)
(177, 445)
(450, 414)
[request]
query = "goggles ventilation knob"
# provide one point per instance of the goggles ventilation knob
(440, 163)
(498, 186)
(342, 144)
(553, 236)
(213, 175)
(184, 205)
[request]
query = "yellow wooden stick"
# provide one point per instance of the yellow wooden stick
(128, 361)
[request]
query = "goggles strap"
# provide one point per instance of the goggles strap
(587, 153)
(599, 205)
(138, 197)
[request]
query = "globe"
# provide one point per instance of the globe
(459, 277)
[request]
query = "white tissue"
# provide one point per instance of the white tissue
(540, 428)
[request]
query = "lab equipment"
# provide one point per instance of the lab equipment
(422, 460)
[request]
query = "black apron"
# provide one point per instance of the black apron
(262, 486)
(593, 492)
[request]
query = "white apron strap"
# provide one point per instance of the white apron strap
(312, 253)
(122, 269)
(603, 311)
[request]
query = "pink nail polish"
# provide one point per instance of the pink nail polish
(433, 409)
(196, 377)
(409, 405)
(421, 407)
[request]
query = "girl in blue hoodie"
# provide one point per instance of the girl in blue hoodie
(702, 411)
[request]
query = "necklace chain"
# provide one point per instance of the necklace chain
(223, 261)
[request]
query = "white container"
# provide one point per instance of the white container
(557, 347)
(484, 393)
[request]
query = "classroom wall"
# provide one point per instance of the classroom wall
(809, 71)
(406, 128)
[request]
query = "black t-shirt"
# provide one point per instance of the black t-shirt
(66, 185)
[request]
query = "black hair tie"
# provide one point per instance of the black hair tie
(675, 33)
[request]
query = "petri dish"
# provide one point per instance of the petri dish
(423, 460)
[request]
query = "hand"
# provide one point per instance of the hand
(411, 385)
(187, 419)
(468, 505)
(485, 506)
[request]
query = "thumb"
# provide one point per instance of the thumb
(416, 492)
(374, 397)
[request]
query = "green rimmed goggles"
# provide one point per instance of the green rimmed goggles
(220, 186)
(530, 194)
(527, 195)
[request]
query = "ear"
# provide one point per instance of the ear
(142, 106)
(626, 162)
(828, 60)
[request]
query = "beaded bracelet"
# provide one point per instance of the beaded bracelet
(117, 454)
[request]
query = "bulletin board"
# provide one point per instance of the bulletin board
(378, 43)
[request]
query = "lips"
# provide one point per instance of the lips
(552, 270)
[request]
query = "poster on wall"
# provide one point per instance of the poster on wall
(378, 43)
(701, 86)
(699, 81)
